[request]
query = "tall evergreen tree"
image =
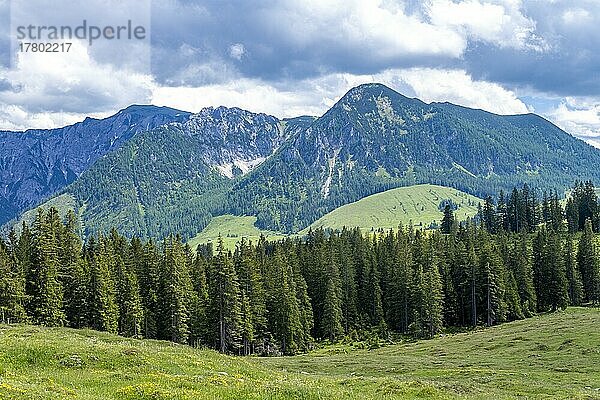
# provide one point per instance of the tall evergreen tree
(251, 286)
(175, 292)
(491, 282)
(489, 215)
(575, 288)
(549, 271)
(224, 294)
(72, 273)
(447, 220)
(305, 309)
(284, 307)
(199, 327)
(432, 298)
(12, 288)
(522, 269)
(103, 310)
(589, 264)
(331, 322)
(43, 286)
(131, 313)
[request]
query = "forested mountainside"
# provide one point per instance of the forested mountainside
(37, 163)
(375, 138)
(176, 177)
(289, 173)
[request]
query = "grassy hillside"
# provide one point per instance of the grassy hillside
(232, 228)
(63, 203)
(548, 357)
(419, 203)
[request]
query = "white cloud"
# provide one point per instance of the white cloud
(51, 89)
(376, 28)
(237, 51)
(456, 86)
(16, 118)
(576, 16)
(315, 96)
(580, 117)
(500, 22)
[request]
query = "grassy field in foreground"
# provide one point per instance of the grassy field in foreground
(231, 228)
(419, 203)
(548, 357)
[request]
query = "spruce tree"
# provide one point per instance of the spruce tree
(175, 291)
(451, 308)
(199, 327)
(399, 278)
(224, 294)
(511, 297)
(348, 282)
(12, 288)
(549, 271)
(131, 314)
(491, 282)
(331, 322)
(246, 326)
(572, 214)
(43, 286)
(283, 304)
(589, 264)
(148, 272)
(575, 288)
(447, 220)
(489, 215)
(305, 309)
(522, 270)
(103, 310)
(251, 285)
(72, 273)
(432, 314)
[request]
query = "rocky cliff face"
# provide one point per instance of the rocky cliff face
(234, 140)
(37, 163)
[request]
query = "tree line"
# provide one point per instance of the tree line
(524, 210)
(283, 297)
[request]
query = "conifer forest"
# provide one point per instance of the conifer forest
(525, 253)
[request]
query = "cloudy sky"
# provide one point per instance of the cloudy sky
(289, 58)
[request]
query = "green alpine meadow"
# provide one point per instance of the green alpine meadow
(550, 356)
(303, 200)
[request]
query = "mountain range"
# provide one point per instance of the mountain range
(37, 163)
(154, 170)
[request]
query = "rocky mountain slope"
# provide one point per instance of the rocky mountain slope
(175, 178)
(37, 163)
(289, 173)
(374, 139)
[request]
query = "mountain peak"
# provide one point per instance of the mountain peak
(368, 90)
(150, 109)
(370, 95)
